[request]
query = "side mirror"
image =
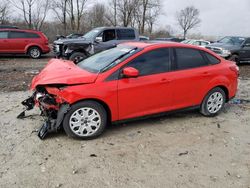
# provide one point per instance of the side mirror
(98, 39)
(130, 72)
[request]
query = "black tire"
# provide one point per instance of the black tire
(78, 107)
(235, 58)
(35, 52)
(206, 109)
(76, 57)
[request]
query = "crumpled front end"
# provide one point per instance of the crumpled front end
(52, 107)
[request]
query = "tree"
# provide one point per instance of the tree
(188, 18)
(96, 15)
(34, 11)
(151, 16)
(76, 12)
(4, 13)
(125, 10)
(150, 10)
(59, 7)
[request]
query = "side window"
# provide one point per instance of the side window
(3, 34)
(153, 62)
(32, 35)
(211, 59)
(17, 34)
(125, 34)
(186, 58)
(247, 43)
(108, 35)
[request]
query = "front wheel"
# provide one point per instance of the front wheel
(213, 103)
(77, 57)
(85, 120)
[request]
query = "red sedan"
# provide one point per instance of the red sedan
(130, 81)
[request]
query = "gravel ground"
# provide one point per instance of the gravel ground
(178, 150)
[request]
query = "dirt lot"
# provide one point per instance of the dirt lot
(178, 150)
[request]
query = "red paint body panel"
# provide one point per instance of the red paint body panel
(62, 72)
(143, 95)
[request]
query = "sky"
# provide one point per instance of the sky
(219, 17)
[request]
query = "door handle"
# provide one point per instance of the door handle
(165, 80)
(206, 74)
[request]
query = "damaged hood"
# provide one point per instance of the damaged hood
(62, 72)
(70, 41)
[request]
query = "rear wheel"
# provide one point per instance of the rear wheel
(213, 103)
(77, 57)
(235, 58)
(85, 120)
(34, 52)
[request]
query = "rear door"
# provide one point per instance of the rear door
(18, 41)
(191, 73)
(4, 42)
(150, 92)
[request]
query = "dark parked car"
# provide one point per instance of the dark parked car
(17, 41)
(94, 41)
(233, 48)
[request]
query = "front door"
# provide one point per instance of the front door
(18, 41)
(4, 42)
(150, 92)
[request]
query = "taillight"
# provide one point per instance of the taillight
(235, 69)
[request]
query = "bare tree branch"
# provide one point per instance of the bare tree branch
(188, 18)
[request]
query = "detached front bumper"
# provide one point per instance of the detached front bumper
(50, 109)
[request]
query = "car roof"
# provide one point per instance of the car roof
(24, 30)
(162, 44)
(99, 28)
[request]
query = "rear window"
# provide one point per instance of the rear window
(20, 34)
(124, 34)
(187, 58)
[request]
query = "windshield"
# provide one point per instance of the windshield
(107, 59)
(232, 40)
(91, 34)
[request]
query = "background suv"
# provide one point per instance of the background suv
(96, 40)
(233, 48)
(17, 41)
